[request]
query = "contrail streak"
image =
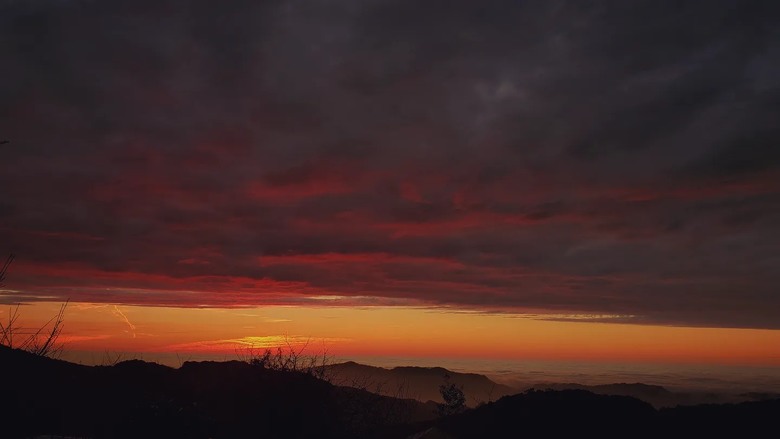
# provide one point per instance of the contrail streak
(119, 313)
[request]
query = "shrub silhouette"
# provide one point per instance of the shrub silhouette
(453, 396)
(288, 358)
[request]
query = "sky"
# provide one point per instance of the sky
(555, 163)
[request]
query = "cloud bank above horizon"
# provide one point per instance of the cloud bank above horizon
(549, 156)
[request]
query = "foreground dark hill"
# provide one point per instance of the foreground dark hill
(553, 414)
(421, 383)
(136, 399)
(659, 396)
(579, 413)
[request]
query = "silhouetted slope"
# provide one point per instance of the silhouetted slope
(659, 396)
(655, 395)
(581, 413)
(552, 413)
(210, 399)
(746, 419)
(421, 383)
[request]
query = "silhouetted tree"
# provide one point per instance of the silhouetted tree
(453, 396)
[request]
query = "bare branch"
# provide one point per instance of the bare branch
(3, 271)
(41, 341)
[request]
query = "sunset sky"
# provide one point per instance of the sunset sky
(500, 179)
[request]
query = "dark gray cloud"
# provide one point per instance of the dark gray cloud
(608, 158)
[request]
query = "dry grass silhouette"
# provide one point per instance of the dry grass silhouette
(43, 341)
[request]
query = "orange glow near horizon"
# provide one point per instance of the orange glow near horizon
(395, 331)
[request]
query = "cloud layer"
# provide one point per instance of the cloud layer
(551, 156)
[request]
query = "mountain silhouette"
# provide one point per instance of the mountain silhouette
(234, 399)
(230, 399)
(421, 383)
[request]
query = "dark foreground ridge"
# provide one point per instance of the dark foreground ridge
(234, 399)
(579, 413)
(659, 396)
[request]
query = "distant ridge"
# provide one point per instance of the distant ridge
(421, 383)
